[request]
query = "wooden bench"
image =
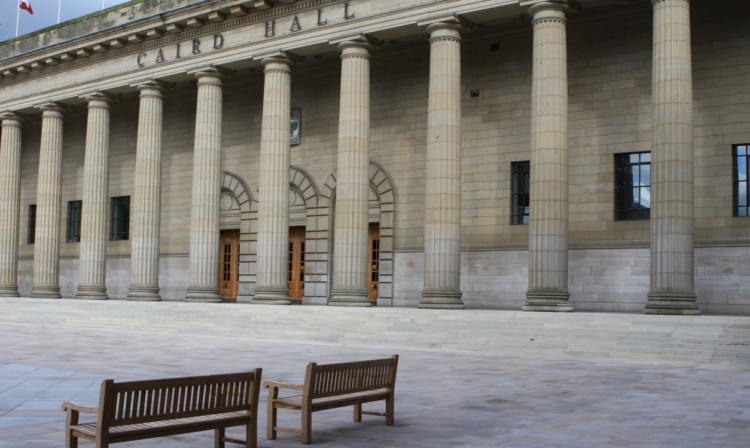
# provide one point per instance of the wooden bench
(137, 410)
(333, 386)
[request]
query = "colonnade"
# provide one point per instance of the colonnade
(672, 289)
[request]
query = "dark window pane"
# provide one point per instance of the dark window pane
(520, 200)
(31, 230)
(632, 186)
(741, 187)
(120, 218)
(74, 221)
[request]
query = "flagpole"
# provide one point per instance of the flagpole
(18, 15)
(59, 3)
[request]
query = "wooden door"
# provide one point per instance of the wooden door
(374, 262)
(229, 269)
(296, 274)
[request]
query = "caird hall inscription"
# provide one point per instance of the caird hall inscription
(266, 30)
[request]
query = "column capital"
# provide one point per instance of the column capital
(453, 24)
(52, 109)
(151, 87)
(655, 2)
(356, 45)
(210, 74)
(98, 99)
(549, 10)
(276, 63)
(9, 118)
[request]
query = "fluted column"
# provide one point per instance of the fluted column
(10, 191)
(273, 192)
(204, 212)
(672, 289)
(442, 222)
(145, 212)
(46, 271)
(352, 184)
(548, 214)
(92, 268)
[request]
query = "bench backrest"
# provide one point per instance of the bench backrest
(133, 402)
(349, 377)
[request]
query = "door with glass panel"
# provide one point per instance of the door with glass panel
(374, 262)
(229, 269)
(296, 274)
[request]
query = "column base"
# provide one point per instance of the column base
(91, 293)
(144, 294)
(9, 291)
(203, 294)
(441, 299)
(45, 292)
(682, 304)
(350, 297)
(270, 295)
(548, 300)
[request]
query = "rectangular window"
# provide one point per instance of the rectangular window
(741, 186)
(520, 200)
(632, 186)
(120, 225)
(74, 221)
(31, 232)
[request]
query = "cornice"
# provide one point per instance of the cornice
(143, 34)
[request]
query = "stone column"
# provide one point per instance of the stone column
(204, 212)
(548, 215)
(442, 221)
(48, 204)
(273, 192)
(350, 244)
(672, 288)
(92, 268)
(10, 191)
(145, 212)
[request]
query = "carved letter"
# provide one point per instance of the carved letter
(321, 22)
(346, 11)
(196, 46)
(159, 57)
(295, 25)
(178, 51)
(141, 57)
(218, 41)
(270, 28)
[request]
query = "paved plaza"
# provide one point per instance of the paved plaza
(443, 399)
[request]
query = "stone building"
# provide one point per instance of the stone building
(553, 155)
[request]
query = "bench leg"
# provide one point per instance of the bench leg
(271, 422)
(251, 434)
(70, 441)
(357, 412)
(306, 427)
(219, 437)
(389, 408)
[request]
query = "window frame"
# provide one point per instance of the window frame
(31, 225)
(119, 229)
(736, 182)
(620, 187)
(515, 194)
(74, 221)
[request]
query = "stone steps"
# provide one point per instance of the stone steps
(595, 336)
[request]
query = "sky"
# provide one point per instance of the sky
(45, 14)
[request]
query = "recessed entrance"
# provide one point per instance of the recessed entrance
(229, 269)
(374, 262)
(296, 274)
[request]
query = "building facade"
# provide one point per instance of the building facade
(554, 155)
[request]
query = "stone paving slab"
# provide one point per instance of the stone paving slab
(443, 399)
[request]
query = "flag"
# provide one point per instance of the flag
(27, 6)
